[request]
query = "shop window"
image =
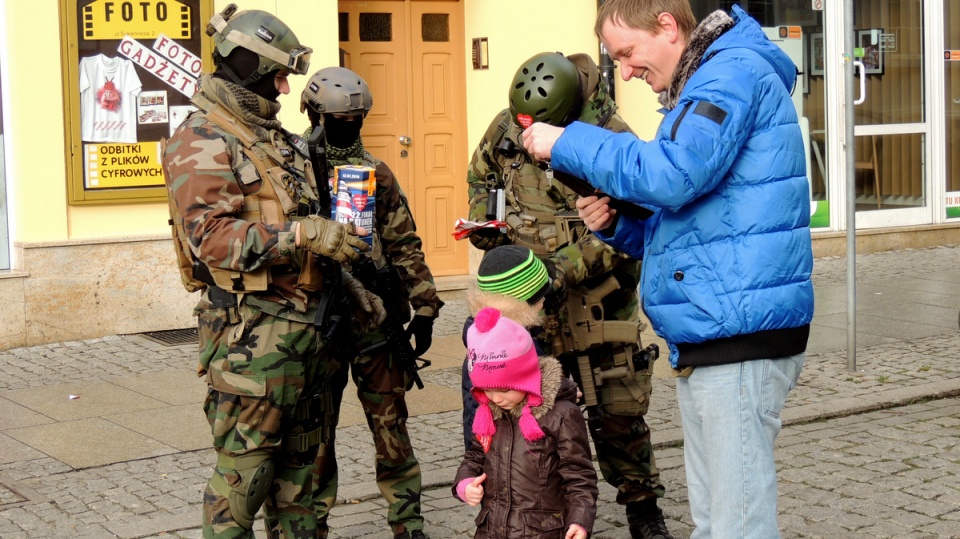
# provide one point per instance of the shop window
(129, 71)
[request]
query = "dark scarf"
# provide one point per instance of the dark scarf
(258, 113)
(703, 36)
(345, 156)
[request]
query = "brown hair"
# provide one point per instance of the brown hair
(642, 14)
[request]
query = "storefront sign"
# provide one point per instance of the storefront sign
(112, 19)
(123, 165)
(158, 66)
(130, 71)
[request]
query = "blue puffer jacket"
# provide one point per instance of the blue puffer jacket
(726, 255)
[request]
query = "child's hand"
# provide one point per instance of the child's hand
(474, 491)
(575, 531)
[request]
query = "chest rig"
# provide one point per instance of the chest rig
(283, 195)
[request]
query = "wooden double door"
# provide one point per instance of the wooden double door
(411, 54)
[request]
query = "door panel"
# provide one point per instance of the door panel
(417, 124)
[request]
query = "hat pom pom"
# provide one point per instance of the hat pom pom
(486, 319)
(483, 421)
(528, 426)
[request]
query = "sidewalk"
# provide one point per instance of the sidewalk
(871, 453)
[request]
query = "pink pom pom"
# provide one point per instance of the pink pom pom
(483, 421)
(486, 319)
(529, 427)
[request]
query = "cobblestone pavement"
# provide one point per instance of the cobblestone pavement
(871, 453)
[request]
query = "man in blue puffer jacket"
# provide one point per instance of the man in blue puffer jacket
(726, 254)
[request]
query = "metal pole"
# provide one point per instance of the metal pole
(850, 151)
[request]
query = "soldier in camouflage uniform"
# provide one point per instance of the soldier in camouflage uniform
(243, 208)
(337, 100)
(551, 88)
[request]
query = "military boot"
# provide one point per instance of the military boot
(645, 520)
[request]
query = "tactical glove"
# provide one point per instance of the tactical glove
(421, 329)
(367, 307)
(488, 238)
(329, 238)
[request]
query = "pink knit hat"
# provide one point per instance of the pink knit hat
(501, 355)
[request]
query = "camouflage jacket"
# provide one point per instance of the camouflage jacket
(395, 240)
(208, 176)
(533, 201)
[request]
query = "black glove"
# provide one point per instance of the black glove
(421, 329)
(488, 238)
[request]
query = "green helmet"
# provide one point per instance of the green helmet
(546, 88)
(336, 90)
(262, 33)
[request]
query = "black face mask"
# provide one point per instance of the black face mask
(266, 86)
(342, 133)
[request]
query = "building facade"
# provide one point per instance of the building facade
(85, 248)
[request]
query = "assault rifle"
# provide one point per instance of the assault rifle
(585, 331)
(317, 145)
(385, 282)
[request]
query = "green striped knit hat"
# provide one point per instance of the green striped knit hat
(513, 271)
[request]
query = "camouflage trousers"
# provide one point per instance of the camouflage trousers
(620, 435)
(259, 368)
(381, 388)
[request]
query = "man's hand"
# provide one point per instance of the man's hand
(596, 212)
(367, 307)
(474, 492)
(539, 138)
(329, 238)
(421, 329)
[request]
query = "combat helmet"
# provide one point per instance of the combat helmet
(261, 33)
(547, 89)
(336, 90)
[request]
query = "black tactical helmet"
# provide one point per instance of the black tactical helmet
(336, 90)
(547, 89)
(262, 33)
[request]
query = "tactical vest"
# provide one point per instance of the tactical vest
(272, 205)
(535, 198)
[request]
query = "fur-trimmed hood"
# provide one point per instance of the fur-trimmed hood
(517, 310)
(553, 386)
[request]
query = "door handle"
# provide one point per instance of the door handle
(858, 66)
(405, 141)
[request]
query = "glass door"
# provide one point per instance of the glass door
(890, 114)
(797, 27)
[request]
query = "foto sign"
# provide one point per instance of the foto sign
(113, 19)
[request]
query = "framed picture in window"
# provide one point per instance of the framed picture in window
(816, 54)
(869, 42)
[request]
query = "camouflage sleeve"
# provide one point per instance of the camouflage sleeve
(202, 166)
(479, 169)
(398, 236)
(587, 258)
(591, 257)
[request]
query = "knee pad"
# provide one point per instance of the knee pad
(256, 471)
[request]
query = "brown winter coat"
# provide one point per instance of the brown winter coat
(536, 489)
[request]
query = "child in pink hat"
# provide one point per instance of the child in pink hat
(530, 466)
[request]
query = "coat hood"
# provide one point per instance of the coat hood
(515, 309)
(746, 33)
(553, 386)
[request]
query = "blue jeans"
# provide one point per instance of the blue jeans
(731, 417)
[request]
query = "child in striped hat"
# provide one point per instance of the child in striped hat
(515, 282)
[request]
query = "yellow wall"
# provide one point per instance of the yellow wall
(519, 29)
(36, 171)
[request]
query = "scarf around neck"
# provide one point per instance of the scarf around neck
(711, 28)
(258, 113)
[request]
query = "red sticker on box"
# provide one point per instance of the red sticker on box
(360, 201)
(525, 120)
